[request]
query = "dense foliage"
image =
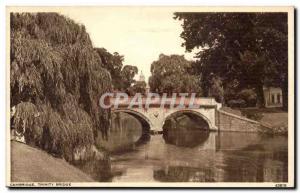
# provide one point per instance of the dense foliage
(138, 87)
(122, 76)
(248, 48)
(56, 80)
(171, 74)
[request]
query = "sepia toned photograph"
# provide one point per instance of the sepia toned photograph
(150, 96)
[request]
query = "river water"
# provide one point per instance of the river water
(194, 155)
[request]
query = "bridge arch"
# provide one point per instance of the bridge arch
(190, 111)
(145, 121)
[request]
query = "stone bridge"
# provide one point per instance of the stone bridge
(154, 116)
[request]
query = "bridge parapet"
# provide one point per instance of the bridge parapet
(144, 102)
(210, 102)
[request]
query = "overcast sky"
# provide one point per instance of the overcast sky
(140, 34)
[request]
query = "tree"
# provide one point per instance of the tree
(113, 63)
(127, 74)
(122, 76)
(56, 80)
(138, 87)
(216, 89)
(248, 47)
(170, 74)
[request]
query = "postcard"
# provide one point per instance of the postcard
(112, 96)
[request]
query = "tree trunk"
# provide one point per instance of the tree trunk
(260, 96)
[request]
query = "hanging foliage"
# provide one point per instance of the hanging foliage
(56, 80)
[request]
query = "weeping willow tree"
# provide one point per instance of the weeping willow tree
(56, 80)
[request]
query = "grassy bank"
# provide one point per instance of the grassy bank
(29, 164)
(273, 118)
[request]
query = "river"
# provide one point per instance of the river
(194, 155)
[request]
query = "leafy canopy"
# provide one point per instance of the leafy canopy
(248, 48)
(170, 74)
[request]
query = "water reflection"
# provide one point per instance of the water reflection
(100, 170)
(183, 174)
(184, 154)
(125, 135)
(221, 158)
(185, 130)
(145, 138)
(185, 137)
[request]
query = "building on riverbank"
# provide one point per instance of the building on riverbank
(273, 97)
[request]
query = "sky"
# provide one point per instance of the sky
(140, 34)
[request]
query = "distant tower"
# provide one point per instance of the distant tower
(142, 77)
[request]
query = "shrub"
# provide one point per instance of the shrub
(239, 103)
(249, 96)
(253, 115)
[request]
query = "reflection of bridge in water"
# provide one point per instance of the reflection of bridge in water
(222, 156)
(154, 116)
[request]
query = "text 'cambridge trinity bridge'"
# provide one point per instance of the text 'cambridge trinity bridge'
(154, 115)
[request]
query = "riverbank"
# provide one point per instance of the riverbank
(275, 120)
(30, 164)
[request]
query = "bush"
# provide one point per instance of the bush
(239, 103)
(253, 115)
(249, 96)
